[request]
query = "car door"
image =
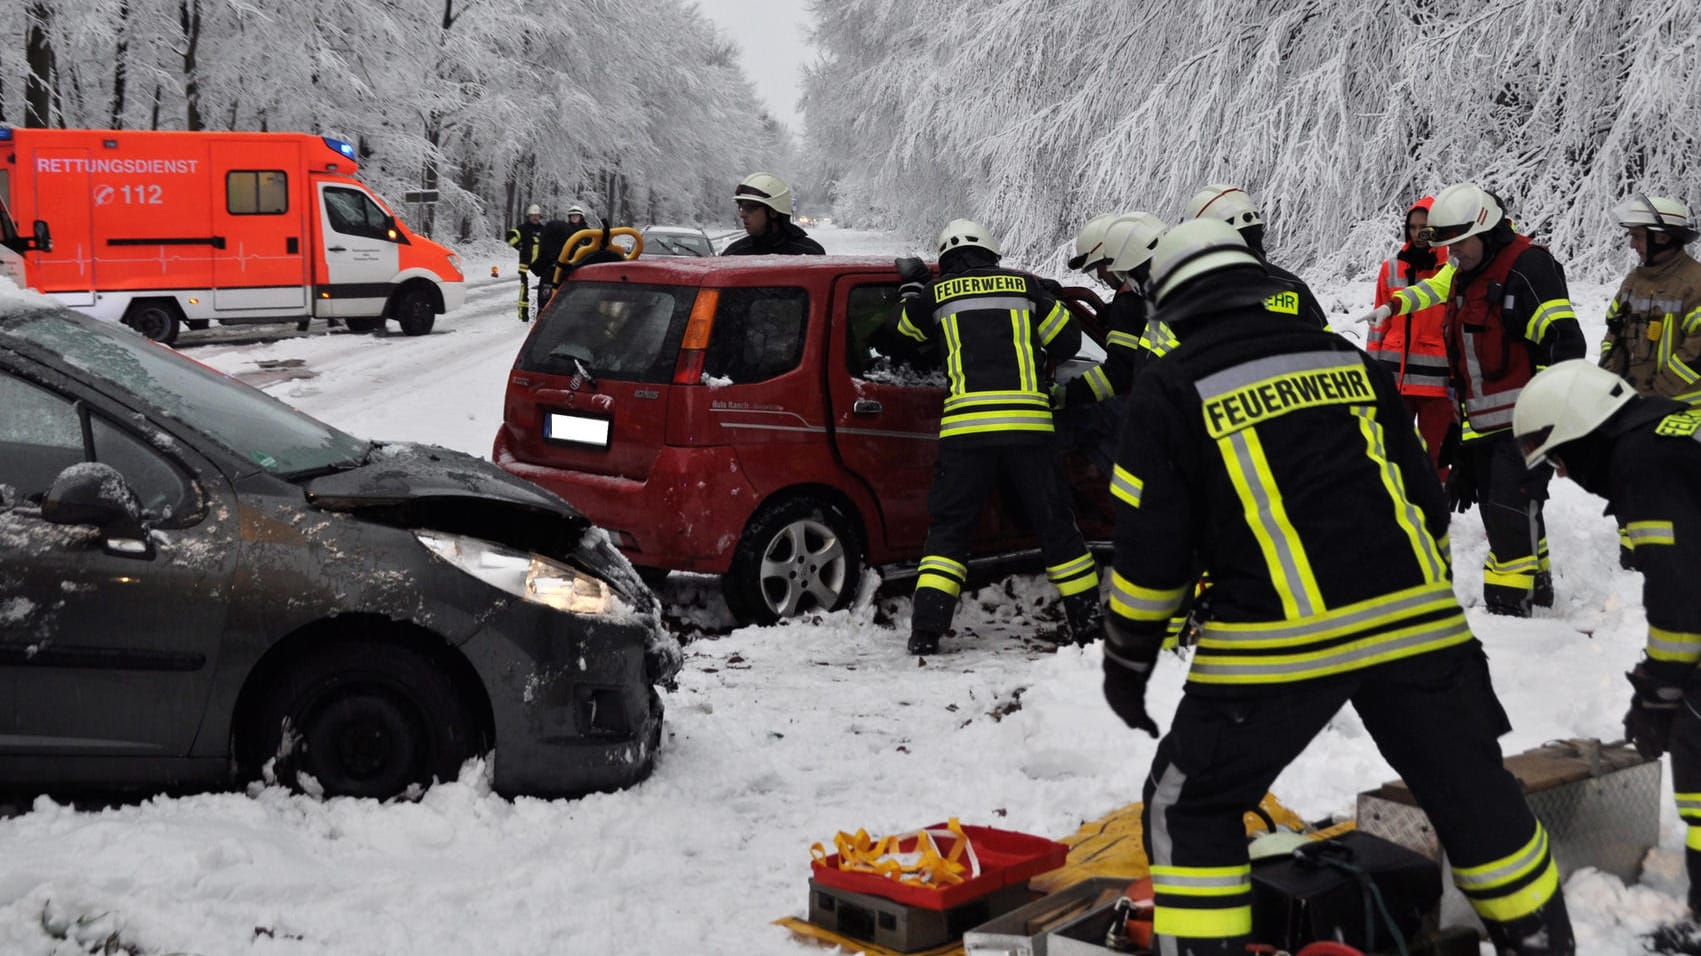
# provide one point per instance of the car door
(104, 653)
(361, 253)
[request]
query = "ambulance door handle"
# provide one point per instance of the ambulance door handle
(336, 249)
(292, 245)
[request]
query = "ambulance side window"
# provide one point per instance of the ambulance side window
(353, 213)
(256, 192)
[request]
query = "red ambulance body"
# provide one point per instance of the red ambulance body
(164, 229)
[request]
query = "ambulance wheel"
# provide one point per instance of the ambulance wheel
(365, 325)
(157, 319)
(413, 312)
(797, 556)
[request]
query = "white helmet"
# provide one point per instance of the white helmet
(1194, 248)
(1563, 403)
(767, 189)
(534, 210)
(576, 211)
(1461, 210)
(1131, 241)
(1655, 212)
(1228, 203)
(1090, 247)
(963, 233)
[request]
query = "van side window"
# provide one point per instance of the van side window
(256, 192)
(867, 310)
(758, 334)
(45, 439)
(353, 213)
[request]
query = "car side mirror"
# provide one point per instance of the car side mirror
(96, 494)
(43, 237)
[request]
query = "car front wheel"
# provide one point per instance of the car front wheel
(798, 556)
(362, 719)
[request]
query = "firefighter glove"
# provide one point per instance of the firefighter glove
(1652, 710)
(1461, 485)
(1375, 316)
(1125, 689)
(914, 274)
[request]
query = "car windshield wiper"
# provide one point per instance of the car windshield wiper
(581, 362)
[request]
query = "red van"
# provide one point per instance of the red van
(726, 415)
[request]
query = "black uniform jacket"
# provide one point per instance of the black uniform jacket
(1654, 485)
(1281, 459)
(786, 238)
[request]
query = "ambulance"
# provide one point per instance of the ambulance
(166, 230)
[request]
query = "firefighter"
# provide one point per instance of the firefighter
(1654, 322)
(524, 238)
(1412, 348)
(1508, 314)
(993, 328)
(1233, 205)
(1282, 458)
(1642, 453)
(1088, 409)
(764, 209)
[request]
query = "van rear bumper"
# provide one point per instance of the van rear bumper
(687, 515)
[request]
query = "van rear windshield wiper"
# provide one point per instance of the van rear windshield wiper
(581, 362)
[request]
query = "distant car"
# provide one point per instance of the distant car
(200, 585)
(677, 241)
(728, 416)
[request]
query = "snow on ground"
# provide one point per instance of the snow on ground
(776, 739)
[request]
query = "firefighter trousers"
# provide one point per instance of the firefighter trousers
(1026, 470)
(1516, 573)
(1436, 720)
(1684, 745)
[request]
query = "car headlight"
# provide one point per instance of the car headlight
(522, 574)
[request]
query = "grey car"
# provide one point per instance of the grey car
(677, 241)
(200, 586)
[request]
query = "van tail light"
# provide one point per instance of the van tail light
(689, 369)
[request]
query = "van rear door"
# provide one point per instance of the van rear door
(591, 388)
(258, 211)
(63, 196)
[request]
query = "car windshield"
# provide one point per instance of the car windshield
(669, 243)
(618, 330)
(256, 426)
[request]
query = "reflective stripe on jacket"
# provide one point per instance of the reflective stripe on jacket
(1412, 346)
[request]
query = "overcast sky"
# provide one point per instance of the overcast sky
(770, 34)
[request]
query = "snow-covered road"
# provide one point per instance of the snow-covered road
(777, 738)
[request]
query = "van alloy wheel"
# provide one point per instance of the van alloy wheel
(156, 321)
(798, 556)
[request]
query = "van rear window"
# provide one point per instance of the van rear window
(256, 192)
(617, 330)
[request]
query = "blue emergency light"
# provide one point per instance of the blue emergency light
(345, 148)
(5, 134)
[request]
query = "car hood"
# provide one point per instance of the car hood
(425, 486)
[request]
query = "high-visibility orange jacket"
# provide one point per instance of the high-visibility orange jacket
(1412, 346)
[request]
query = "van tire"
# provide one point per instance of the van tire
(158, 319)
(796, 556)
(365, 325)
(413, 311)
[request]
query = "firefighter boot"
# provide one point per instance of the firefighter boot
(1546, 932)
(924, 642)
(1086, 617)
(1500, 599)
(1543, 594)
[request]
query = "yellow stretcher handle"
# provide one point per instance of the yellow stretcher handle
(586, 241)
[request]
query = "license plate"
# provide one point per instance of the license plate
(576, 429)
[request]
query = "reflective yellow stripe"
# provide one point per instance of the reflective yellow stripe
(1099, 382)
(1202, 923)
(1084, 570)
(1201, 880)
(1018, 397)
(1549, 312)
(939, 582)
(1013, 419)
(1692, 321)
(1641, 534)
(1693, 839)
(1523, 902)
(1361, 616)
(1267, 518)
(1125, 487)
(1210, 667)
(1679, 646)
(1406, 512)
(1053, 322)
(953, 354)
(1137, 603)
(1506, 870)
(1688, 805)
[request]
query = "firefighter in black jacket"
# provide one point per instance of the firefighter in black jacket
(1282, 458)
(1234, 205)
(1643, 454)
(1131, 339)
(1508, 315)
(524, 238)
(992, 328)
(764, 209)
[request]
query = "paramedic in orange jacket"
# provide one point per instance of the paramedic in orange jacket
(1411, 346)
